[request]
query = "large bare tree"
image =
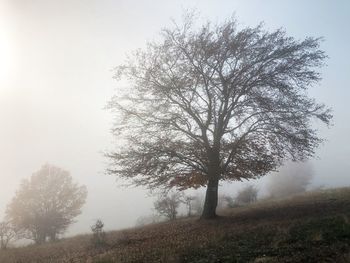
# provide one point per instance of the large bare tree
(46, 204)
(215, 102)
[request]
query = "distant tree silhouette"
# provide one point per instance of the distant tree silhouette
(46, 204)
(213, 103)
(167, 205)
(7, 233)
(247, 195)
(188, 201)
(98, 234)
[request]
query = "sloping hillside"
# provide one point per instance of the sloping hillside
(313, 227)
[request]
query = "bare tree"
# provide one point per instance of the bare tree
(247, 195)
(188, 201)
(167, 205)
(46, 204)
(98, 234)
(291, 179)
(215, 103)
(7, 233)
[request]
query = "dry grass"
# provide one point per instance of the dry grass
(269, 231)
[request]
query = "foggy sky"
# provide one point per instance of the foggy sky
(57, 61)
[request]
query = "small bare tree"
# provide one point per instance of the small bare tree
(188, 201)
(7, 233)
(98, 236)
(247, 195)
(167, 205)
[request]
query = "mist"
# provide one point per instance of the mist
(293, 178)
(58, 79)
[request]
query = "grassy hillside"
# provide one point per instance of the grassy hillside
(313, 227)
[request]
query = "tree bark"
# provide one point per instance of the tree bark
(211, 199)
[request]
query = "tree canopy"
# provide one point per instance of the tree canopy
(215, 102)
(46, 204)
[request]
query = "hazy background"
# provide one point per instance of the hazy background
(56, 61)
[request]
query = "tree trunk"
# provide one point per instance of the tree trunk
(211, 199)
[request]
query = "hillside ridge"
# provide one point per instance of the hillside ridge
(312, 227)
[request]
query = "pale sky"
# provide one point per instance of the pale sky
(56, 61)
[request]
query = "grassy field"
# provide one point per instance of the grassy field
(313, 227)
